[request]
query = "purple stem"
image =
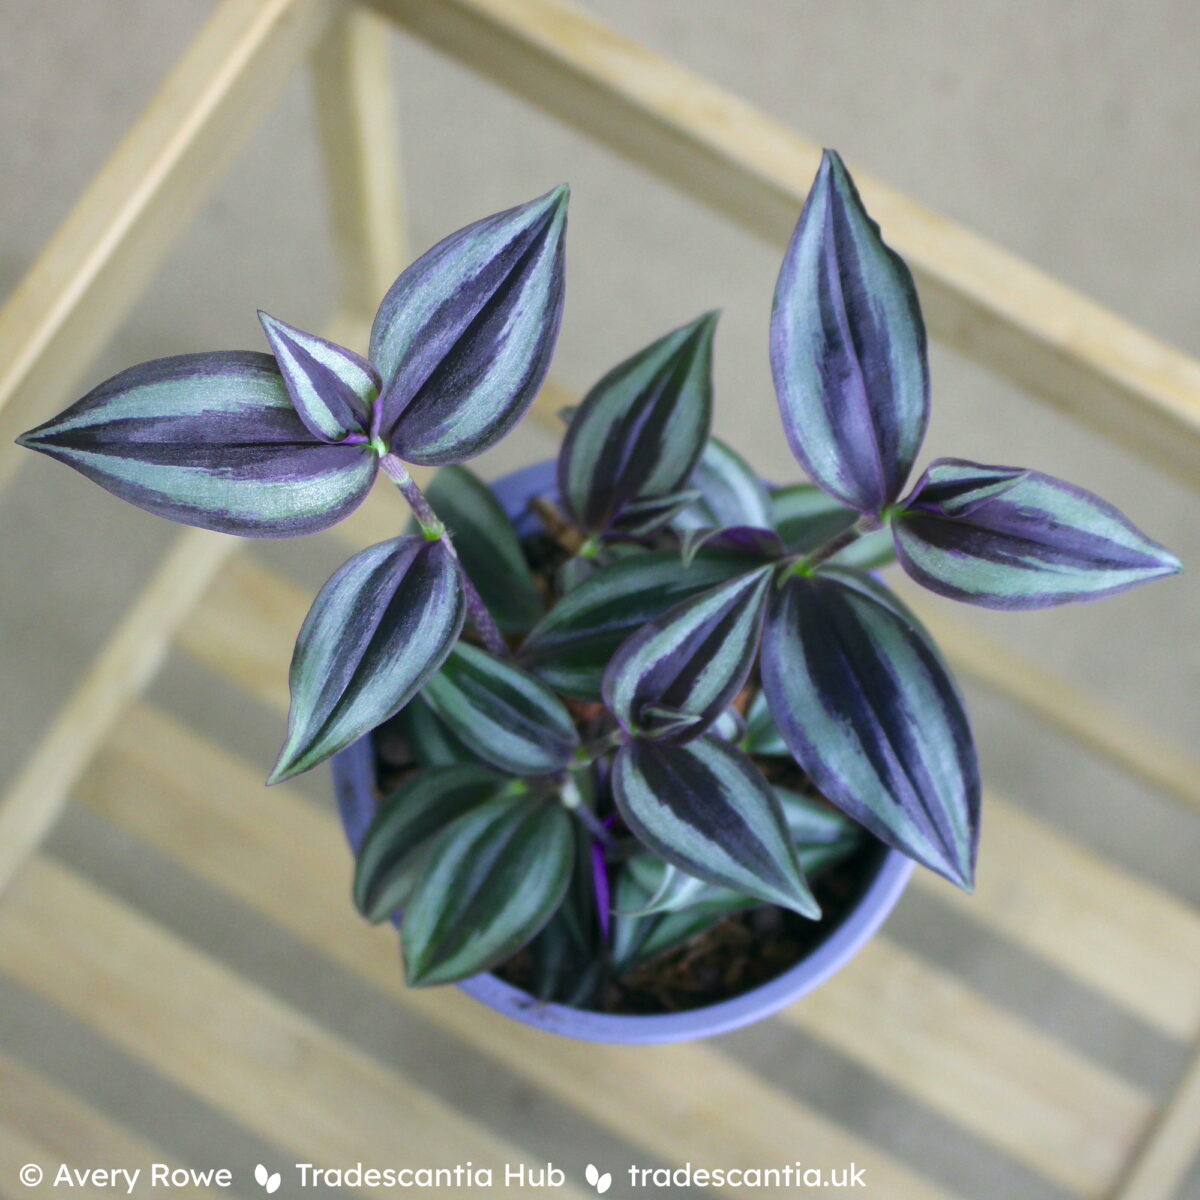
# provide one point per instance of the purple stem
(432, 527)
(603, 889)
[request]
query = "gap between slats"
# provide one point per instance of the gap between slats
(286, 860)
(1124, 937)
(997, 1077)
(222, 1038)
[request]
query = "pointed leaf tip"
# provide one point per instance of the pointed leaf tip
(379, 628)
(331, 387)
(676, 675)
(211, 440)
(860, 695)
(1008, 538)
(848, 349)
(463, 339)
(639, 432)
(706, 809)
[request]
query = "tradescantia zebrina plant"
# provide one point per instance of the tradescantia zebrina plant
(668, 694)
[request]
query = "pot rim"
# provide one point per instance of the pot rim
(353, 773)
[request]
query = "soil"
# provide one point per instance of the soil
(737, 953)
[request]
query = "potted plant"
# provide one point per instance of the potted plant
(632, 745)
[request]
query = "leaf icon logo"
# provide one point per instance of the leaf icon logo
(600, 1182)
(266, 1179)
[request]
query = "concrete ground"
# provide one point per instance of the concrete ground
(1063, 129)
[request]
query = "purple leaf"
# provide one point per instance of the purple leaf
(1006, 538)
(764, 544)
(573, 643)
(332, 388)
(379, 628)
(464, 337)
(848, 349)
(641, 518)
(706, 809)
(730, 492)
(640, 431)
(677, 674)
(867, 708)
(210, 440)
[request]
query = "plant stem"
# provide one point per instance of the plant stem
(432, 527)
(864, 525)
(430, 524)
(593, 825)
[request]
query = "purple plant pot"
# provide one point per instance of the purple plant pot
(354, 782)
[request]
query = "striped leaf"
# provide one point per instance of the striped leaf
(813, 823)
(332, 388)
(848, 349)
(805, 517)
(390, 855)
(677, 674)
(487, 546)
(464, 337)
(750, 540)
(820, 834)
(730, 492)
(488, 882)
(569, 960)
(505, 715)
(211, 440)
(430, 742)
(762, 739)
(640, 431)
(659, 907)
(571, 646)
(868, 709)
(1006, 538)
(640, 518)
(379, 628)
(705, 808)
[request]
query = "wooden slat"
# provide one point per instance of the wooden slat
(1122, 936)
(1008, 1084)
(255, 1059)
(360, 145)
(192, 800)
(96, 265)
(985, 1070)
(980, 299)
(1158, 1169)
(41, 1123)
(1130, 940)
(128, 661)
(1095, 724)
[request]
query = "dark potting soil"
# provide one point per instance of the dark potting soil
(735, 954)
(739, 952)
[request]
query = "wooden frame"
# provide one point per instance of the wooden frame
(979, 299)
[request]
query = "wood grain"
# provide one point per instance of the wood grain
(984, 301)
(98, 262)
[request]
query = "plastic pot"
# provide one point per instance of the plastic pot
(354, 781)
